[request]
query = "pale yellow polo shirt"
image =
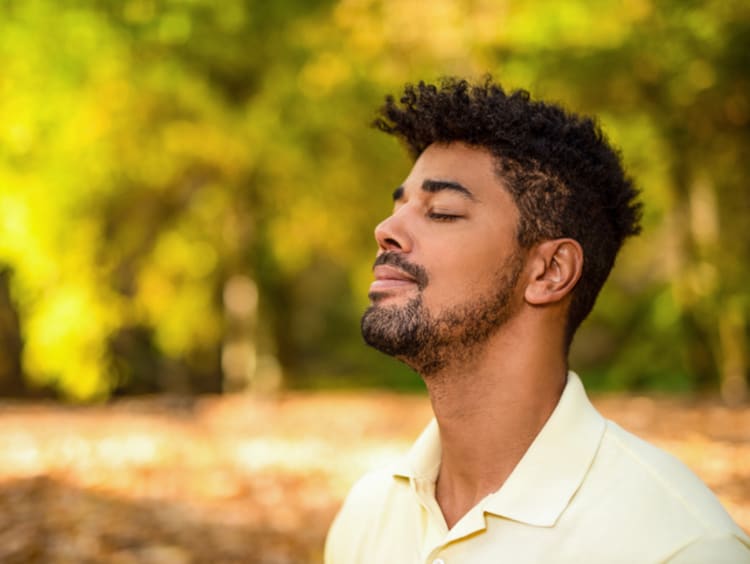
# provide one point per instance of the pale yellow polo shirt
(586, 491)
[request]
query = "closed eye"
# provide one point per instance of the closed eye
(436, 216)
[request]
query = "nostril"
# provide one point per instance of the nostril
(392, 235)
(391, 242)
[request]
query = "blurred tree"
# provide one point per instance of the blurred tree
(680, 72)
(11, 375)
(188, 190)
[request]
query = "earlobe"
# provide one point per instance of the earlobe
(558, 267)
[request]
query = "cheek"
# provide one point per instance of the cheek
(474, 260)
(458, 275)
(466, 263)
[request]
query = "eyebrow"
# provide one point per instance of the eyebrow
(434, 186)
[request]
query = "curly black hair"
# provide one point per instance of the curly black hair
(561, 171)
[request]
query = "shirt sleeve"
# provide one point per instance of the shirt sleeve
(724, 549)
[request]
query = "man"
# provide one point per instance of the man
(500, 239)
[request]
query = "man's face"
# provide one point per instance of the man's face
(448, 262)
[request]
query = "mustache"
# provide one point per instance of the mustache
(397, 259)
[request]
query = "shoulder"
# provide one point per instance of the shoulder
(717, 549)
(665, 478)
(369, 503)
(370, 492)
(654, 495)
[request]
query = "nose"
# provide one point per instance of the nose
(393, 235)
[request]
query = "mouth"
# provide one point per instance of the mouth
(389, 279)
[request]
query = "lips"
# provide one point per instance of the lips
(390, 278)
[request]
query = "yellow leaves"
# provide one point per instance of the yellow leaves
(139, 11)
(665, 312)
(19, 137)
(14, 221)
(550, 24)
(174, 27)
(701, 74)
(32, 238)
(366, 33)
(175, 254)
(206, 142)
(175, 294)
(395, 39)
(66, 334)
(324, 73)
(304, 221)
(702, 280)
(451, 30)
(232, 16)
(184, 316)
(67, 313)
(148, 149)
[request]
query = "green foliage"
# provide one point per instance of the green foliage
(150, 151)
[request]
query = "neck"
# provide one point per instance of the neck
(489, 410)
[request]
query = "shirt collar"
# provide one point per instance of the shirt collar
(549, 473)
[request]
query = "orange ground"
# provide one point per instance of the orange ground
(241, 479)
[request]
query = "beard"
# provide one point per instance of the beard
(429, 343)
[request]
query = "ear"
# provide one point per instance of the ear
(556, 268)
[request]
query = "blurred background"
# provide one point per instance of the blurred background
(188, 191)
(188, 188)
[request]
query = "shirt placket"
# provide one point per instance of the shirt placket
(433, 525)
(435, 533)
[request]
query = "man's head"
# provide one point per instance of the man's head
(448, 265)
(563, 179)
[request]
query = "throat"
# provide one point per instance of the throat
(485, 431)
(456, 498)
(474, 467)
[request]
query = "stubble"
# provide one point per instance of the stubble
(429, 343)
